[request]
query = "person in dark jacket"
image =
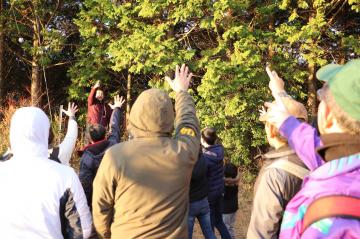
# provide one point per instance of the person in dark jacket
(141, 189)
(230, 196)
(214, 156)
(199, 205)
(92, 154)
(98, 111)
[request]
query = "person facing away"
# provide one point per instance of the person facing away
(214, 156)
(328, 204)
(231, 178)
(276, 183)
(98, 111)
(39, 197)
(92, 154)
(199, 205)
(62, 152)
(141, 189)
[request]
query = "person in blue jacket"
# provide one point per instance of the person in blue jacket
(92, 154)
(214, 156)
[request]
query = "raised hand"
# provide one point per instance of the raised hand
(118, 102)
(97, 84)
(182, 79)
(276, 84)
(72, 109)
(276, 114)
(262, 111)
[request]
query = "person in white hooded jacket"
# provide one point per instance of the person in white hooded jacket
(40, 198)
(62, 152)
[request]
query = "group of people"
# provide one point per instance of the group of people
(139, 188)
(308, 186)
(168, 173)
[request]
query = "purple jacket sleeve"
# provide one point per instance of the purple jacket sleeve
(304, 139)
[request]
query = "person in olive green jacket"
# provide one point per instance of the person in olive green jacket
(141, 189)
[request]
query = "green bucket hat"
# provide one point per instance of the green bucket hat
(344, 84)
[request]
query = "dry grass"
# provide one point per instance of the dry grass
(12, 103)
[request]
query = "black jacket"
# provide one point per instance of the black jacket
(231, 192)
(198, 183)
(92, 155)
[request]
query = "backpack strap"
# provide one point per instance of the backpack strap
(290, 167)
(331, 206)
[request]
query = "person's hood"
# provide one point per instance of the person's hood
(214, 152)
(152, 115)
(29, 133)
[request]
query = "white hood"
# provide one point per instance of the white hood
(29, 133)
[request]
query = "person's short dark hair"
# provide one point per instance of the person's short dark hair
(209, 135)
(97, 132)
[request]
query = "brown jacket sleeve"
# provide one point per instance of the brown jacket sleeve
(103, 196)
(268, 205)
(91, 96)
(187, 128)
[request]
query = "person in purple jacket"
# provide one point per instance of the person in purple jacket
(328, 205)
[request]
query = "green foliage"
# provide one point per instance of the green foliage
(226, 43)
(355, 5)
(41, 20)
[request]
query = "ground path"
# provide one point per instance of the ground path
(242, 217)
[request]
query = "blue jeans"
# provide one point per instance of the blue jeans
(229, 221)
(200, 210)
(216, 217)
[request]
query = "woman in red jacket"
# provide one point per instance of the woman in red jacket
(98, 111)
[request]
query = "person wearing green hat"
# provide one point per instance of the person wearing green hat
(328, 205)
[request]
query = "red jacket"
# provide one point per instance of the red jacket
(98, 112)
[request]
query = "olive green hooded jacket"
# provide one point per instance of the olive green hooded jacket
(141, 188)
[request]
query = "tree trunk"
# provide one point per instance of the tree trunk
(342, 53)
(2, 51)
(36, 92)
(271, 41)
(128, 96)
(311, 82)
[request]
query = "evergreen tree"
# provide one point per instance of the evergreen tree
(226, 43)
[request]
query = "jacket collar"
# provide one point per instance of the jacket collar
(338, 145)
(95, 148)
(279, 153)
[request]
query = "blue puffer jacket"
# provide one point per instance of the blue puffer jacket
(214, 156)
(92, 154)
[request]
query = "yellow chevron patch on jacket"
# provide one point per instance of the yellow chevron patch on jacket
(187, 131)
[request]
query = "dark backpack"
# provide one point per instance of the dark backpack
(55, 154)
